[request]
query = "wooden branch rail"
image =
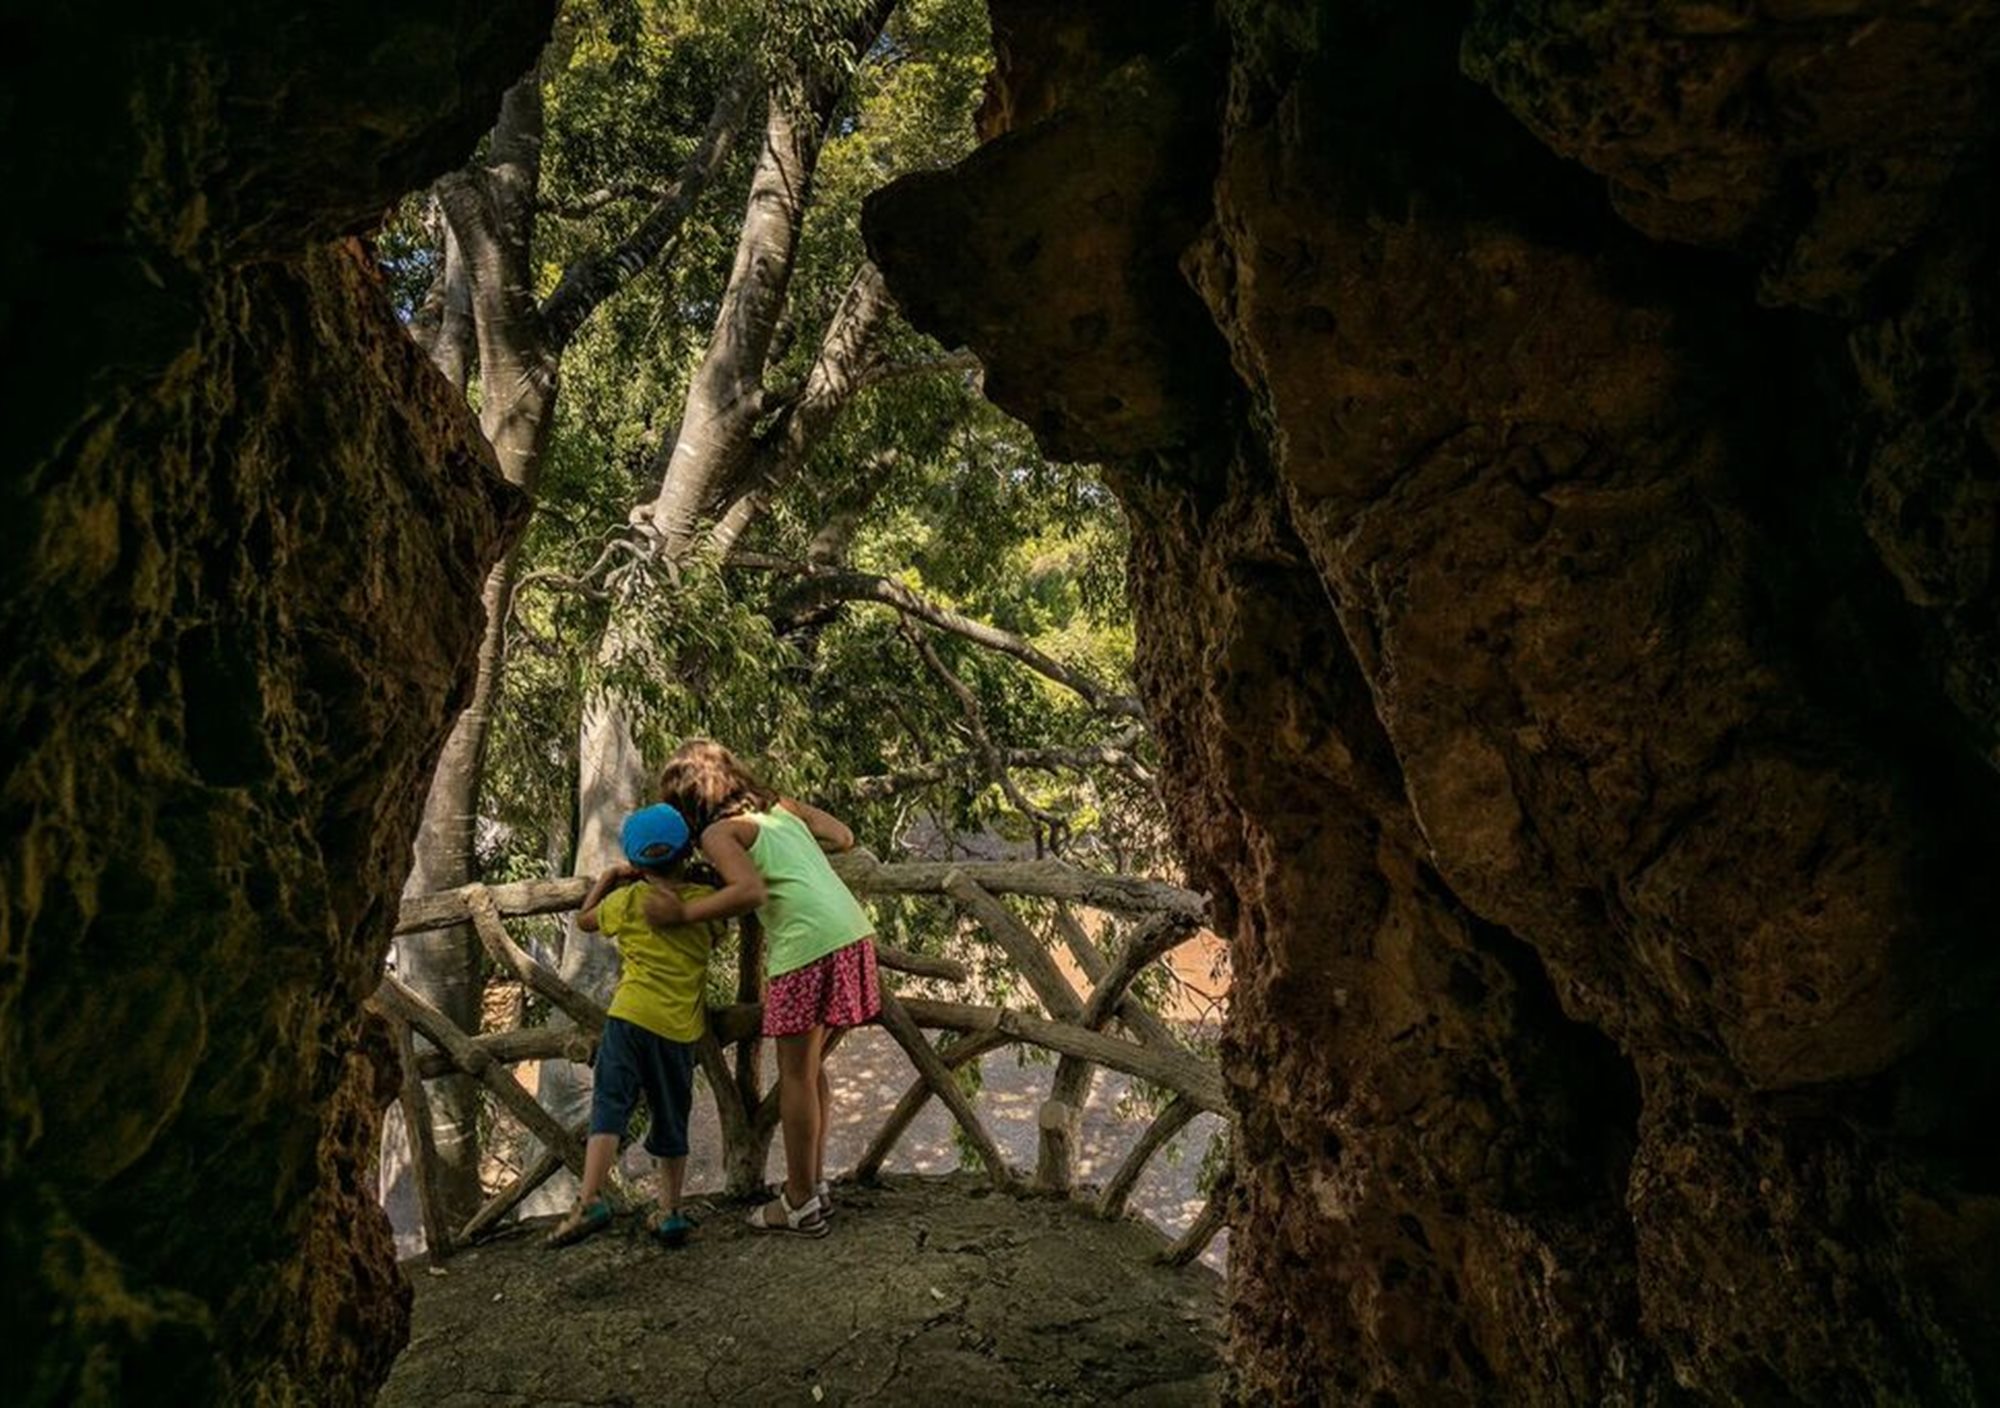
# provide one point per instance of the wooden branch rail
(398, 1003)
(1176, 1070)
(1165, 1125)
(1212, 1218)
(865, 875)
(1072, 1028)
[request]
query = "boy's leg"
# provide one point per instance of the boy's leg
(617, 1085)
(615, 1091)
(669, 1070)
(673, 1173)
(599, 1151)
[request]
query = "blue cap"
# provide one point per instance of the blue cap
(655, 837)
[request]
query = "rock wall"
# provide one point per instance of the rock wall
(1563, 450)
(243, 527)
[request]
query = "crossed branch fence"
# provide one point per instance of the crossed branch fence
(1073, 1025)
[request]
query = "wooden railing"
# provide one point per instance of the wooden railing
(1072, 1024)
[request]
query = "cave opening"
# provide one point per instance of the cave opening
(1553, 454)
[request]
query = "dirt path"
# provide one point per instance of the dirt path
(928, 1290)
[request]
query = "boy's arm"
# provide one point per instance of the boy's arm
(742, 887)
(831, 833)
(606, 881)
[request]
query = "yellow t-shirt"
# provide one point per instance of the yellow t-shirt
(661, 985)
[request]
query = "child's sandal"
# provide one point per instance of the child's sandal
(582, 1221)
(672, 1230)
(824, 1192)
(804, 1221)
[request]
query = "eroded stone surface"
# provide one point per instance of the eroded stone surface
(242, 532)
(927, 1290)
(1572, 670)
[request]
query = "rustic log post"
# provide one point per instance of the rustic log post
(1214, 1216)
(961, 1050)
(903, 1027)
(739, 1143)
(1165, 1125)
(394, 1000)
(1060, 1117)
(508, 1198)
(485, 915)
(423, 1148)
(1177, 1070)
(1019, 943)
(749, 1074)
(511, 1048)
(1137, 1018)
(1156, 937)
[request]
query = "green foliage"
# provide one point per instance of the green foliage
(951, 497)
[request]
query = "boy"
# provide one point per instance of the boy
(655, 1019)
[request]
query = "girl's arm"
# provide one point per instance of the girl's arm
(831, 832)
(728, 849)
(586, 918)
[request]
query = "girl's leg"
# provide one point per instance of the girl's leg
(825, 1089)
(798, 1109)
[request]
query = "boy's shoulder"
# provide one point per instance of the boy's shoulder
(621, 905)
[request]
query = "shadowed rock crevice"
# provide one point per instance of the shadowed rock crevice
(1565, 629)
(242, 534)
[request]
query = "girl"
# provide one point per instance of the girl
(819, 945)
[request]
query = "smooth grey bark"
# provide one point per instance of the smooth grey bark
(709, 453)
(846, 352)
(490, 212)
(489, 215)
(727, 395)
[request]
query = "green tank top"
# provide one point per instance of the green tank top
(808, 911)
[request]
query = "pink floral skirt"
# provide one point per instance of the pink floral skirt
(839, 990)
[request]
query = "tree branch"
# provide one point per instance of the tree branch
(1049, 828)
(884, 372)
(845, 355)
(1112, 753)
(820, 586)
(591, 202)
(594, 278)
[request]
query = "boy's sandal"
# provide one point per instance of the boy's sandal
(582, 1221)
(824, 1192)
(805, 1221)
(673, 1229)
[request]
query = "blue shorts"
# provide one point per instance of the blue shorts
(633, 1062)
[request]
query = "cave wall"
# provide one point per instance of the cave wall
(243, 527)
(1562, 444)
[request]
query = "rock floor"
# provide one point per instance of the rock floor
(927, 1290)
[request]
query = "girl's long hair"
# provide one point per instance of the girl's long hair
(706, 783)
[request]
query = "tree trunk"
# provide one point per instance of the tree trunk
(613, 782)
(454, 347)
(844, 355)
(707, 456)
(488, 220)
(727, 394)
